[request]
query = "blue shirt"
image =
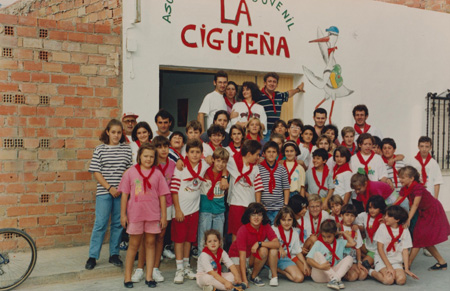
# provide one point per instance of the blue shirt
(278, 100)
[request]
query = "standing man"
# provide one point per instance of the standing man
(164, 121)
(214, 101)
(128, 123)
(320, 117)
(360, 114)
(272, 100)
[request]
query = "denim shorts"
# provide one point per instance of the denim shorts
(285, 262)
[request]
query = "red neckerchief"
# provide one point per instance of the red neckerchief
(340, 169)
(233, 149)
(318, 223)
(213, 147)
(138, 142)
(331, 49)
(376, 223)
(215, 258)
(298, 141)
(126, 138)
(406, 192)
(358, 129)
(336, 218)
(353, 234)
(193, 173)
(180, 156)
(249, 137)
(302, 230)
(291, 171)
(272, 182)
(395, 239)
(214, 177)
(365, 196)
(145, 179)
(229, 104)
(418, 157)
(259, 236)
(365, 163)
(240, 166)
(286, 243)
(331, 249)
(250, 113)
(272, 99)
(321, 184)
(394, 170)
(352, 151)
(163, 170)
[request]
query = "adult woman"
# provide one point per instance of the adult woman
(141, 133)
(230, 95)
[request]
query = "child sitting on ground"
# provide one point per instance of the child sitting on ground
(335, 204)
(314, 217)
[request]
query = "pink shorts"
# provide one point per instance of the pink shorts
(185, 231)
(135, 228)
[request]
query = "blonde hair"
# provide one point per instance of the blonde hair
(346, 130)
(221, 153)
(335, 199)
(314, 198)
(260, 126)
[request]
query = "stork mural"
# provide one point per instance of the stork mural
(331, 80)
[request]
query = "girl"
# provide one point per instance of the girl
(365, 188)
(432, 226)
(141, 133)
(280, 127)
(324, 142)
(342, 173)
(237, 138)
(308, 140)
(257, 242)
(296, 173)
(230, 95)
(108, 163)
(332, 132)
(209, 269)
(327, 256)
(335, 204)
(369, 222)
(143, 209)
(254, 129)
(291, 262)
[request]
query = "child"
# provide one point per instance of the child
(237, 138)
(291, 262)
(369, 222)
(141, 133)
(193, 129)
(295, 128)
(327, 256)
(335, 204)
(376, 146)
(364, 189)
(299, 206)
(216, 134)
(256, 244)
(185, 189)
(332, 132)
(254, 129)
(275, 181)
(393, 243)
(296, 173)
(143, 209)
(348, 139)
(212, 198)
(430, 172)
(177, 141)
(308, 138)
(319, 179)
(357, 271)
(342, 173)
(209, 269)
(393, 162)
(280, 127)
(108, 163)
(312, 221)
(245, 183)
(324, 142)
(432, 226)
(279, 140)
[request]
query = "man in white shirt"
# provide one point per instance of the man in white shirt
(360, 114)
(128, 123)
(164, 121)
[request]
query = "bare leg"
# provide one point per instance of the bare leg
(159, 247)
(400, 277)
(435, 253)
(293, 273)
(150, 254)
(352, 274)
(178, 248)
(259, 264)
(186, 249)
(412, 255)
(272, 261)
(383, 277)
(133, 246)
(141, 256)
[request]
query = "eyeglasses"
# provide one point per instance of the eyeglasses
(129, 121)
(256, 215)
(295, 127)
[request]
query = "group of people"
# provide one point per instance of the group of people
(299, 200)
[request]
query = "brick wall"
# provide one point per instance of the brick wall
(435, 5)
(51, 114)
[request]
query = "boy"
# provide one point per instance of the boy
(275, 180)
(348, 139)
(430, 172)
(319, 179)
(185, 189)
(177, 141)
(221, 118)
(393, 162)
(216, 134)
(212, 198)
(245, 183)
(295, 128)
(335, 204)
(312, 221)
(193, 129)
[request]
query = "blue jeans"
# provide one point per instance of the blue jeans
(267, 136)
(272, 214)
(106, 206)
(207, 221)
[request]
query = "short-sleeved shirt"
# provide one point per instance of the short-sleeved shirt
(315, 222)
(361, 220)
(405, 242)
(342, 183)
(278, 99)
(377, 188)
(217, 204)
(321, 248)
(111, 161)
(245, 240)
(297, 177)
(274, 200)
(143, 203)
(313, 188)
(377, 169)
(168, 174)
(206, 263)
(357, 239)
(212, 103)
(295, 247)
(373, 131)
(257, 111)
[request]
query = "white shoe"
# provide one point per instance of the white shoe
(208, 288)
(273, 281)
(179, 277)
(168, 253)
(427, 253)
(138, 275)
(189, 274)
(157, 276)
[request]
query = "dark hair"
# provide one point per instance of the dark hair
(215, 129)
(178, 133)
(333, 128)
(253, 89)
(320, 111)
(410, 172)
(311, 128)
(104, 137)
(349, 208)
(239, 128)
(254, 208)
(212, 232)
(141, 124)
(194, 124)
(343, 150)
(164, 114)
(297, 203)
(142, 148)
(360, 107)
(377, 141)
(293, 144)
(278, 122)
(220, 74)
(160, 141)
(321, 153)
(425, 139)
(295, 121)
(285, 210)
(271, 74)
(220, 112)
(376, 202)
(271, 144)
(398, 213)
(328, 226)
(388, 141)
(233, 84)
(363, 136)
(194, 143)
(250, 146)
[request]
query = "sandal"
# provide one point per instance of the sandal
(437, 267)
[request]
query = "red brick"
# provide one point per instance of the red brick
(83, 176)
(52, 67)
(27, 199)
(16, 211)
(24, 54)
(31, 165)
(46, 132)
(15, 188)
(46, 23)
(29, 21)
(20, 76)
(72, 208)
(65, 132)
(57, 143)
(47, 220)
(32, 66)
(74, 122)
(27, 110)
(8, 178)
(3, 75)
(92, 102)
(8, 87)
(27, 222)
(85, 91)
(47, 111)
(91, 123)
(54, 230)
(58, 208)
(8, 64)
(34, 210)
(74, 229)
(28, 88)
(58, 35)
(73, 101)
(117, 29)
(104, 92)
(75, 165)
(8, 19)
(74, 143)
(60, 79)
(66, 90)
(28, 132)
(108, 39)
(64, 111)
(83, 112)
(36, 121)
(45, 242)
(39, 77)
(83, 132)
(66, 25)
(35, 232)
(8, 131)
(65, 176)
(47, 155)
(31, 177)
(84, 154)
(78, 80)
(90, 144)
(80, 58)
(27, 31)
(102, 28)
(8, 200)
(54, 187)
(91, 38)
(97, 60)
(71, 68)
(78, 37)
(56, 122)
(85, 27)
(65, 197)
(110, 102)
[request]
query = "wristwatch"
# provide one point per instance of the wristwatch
(224, 177)
(259, 244)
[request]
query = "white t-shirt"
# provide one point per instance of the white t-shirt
(295, 246)
(405, 242)
(377, 168)
(307, 222)
(212, 103)
(362, 220)
(257, 111)
(134, 150)
(342, 183)
(305, 154)
(373, 131)
(205, 263)
(357, 239)
(434, 175)
(230, 151)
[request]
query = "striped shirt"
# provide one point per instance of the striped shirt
(265, 102)
(111, 162)
(275, 200)
(390, 174)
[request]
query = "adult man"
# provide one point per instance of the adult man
(360, 114)
(164, 121)
(214, 101)
(221, 118)
(319, 116)
(129, 122)
(272, 100)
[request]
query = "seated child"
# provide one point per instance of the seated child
(335, 204)
(299, 205)
(296, 173)
(312, 221)
(319, 179)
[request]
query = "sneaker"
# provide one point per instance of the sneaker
(179, 277)
(341, 285)
(115, 260)
(209, 288)
(138, 275)
(90, 264)
(123, 246)
(427, 253)
(168, 253)
(194, 252)
(274, 282)
(189, 274)
(257, 281)
(333, 284)
(157, 276)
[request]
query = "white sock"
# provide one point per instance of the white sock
(370, 272)
(186, 262)
(179, 264)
